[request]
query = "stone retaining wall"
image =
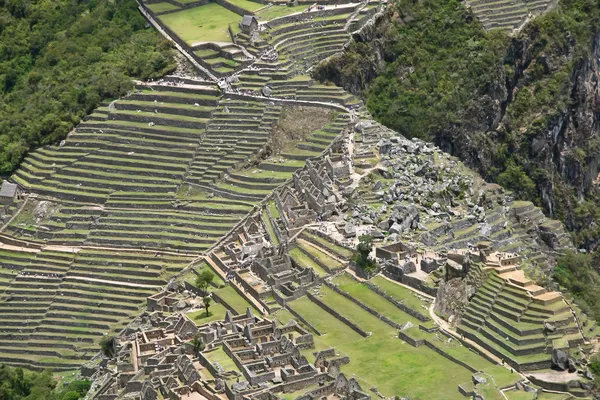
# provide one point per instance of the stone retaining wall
(415, 283)
(232, 7)
(363, 306)
(328, 238)
(308, 16)
(337, 315)
(408, 310)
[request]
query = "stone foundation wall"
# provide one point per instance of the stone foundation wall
(363, 306)
(232, 7)
(331, 311)
(301, 319)
(307, 16)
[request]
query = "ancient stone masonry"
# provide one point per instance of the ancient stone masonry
(187, 175)
(242, 356)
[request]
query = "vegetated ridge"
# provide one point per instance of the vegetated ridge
(520, 109)
(60, 59)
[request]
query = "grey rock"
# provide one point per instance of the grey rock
(479, 380)
(572, 365)
(396, 228)
(429, 265)
(406, 326)
(549, 327)
(560, 360)
(384, 225)
(266, 91)
(376, 234)
(349, 230)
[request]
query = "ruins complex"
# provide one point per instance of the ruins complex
(267, 180)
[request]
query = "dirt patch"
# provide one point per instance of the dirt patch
(295, 124)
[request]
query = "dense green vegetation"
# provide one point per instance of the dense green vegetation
(430, 70)
(19, 384)
(440, 60)
(362, 258)
(60, 58)
(577, 274)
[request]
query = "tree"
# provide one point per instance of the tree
(204, 279)
(197, 343)
(577, 274)
(362, 256)
(515, 179)
(206, 300)
(108, 346)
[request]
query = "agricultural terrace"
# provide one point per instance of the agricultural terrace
(207, 23)
(425, 373)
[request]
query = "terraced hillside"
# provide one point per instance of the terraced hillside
(521, 322)
(507, 14)
(186, 172)
(55, 306)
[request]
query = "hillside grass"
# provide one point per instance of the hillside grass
(207, 23)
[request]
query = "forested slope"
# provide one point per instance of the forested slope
(60, 58)
(522, 110)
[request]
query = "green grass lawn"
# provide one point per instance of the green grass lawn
(371, 299)
(400, 293)
(236, 301)
(246, 5)
(523, 395)
(394, 368)
(319, 255)
(207, 23)
(326, 244)
(277, 11)
(302, 259)
(160, 7)
(219, 355)
(267, 222)
(216, 312)
(273, 210)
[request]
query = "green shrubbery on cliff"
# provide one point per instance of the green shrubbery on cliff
(60, 58)
(433, 72)
(440, 60)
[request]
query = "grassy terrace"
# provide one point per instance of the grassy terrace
(323, 258)
(330, 246)
(246, 5)
(400, 293)
(371, 299)
(234, 299)
(303, 260)
(161, 7)
(69, 313)
(207, 23)
(277, 11)
(270, 229)
(425, 373)
(218, 355)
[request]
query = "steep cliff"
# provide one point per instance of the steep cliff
(522, 110)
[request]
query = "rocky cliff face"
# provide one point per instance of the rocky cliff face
(541, 112)
(565, 149)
